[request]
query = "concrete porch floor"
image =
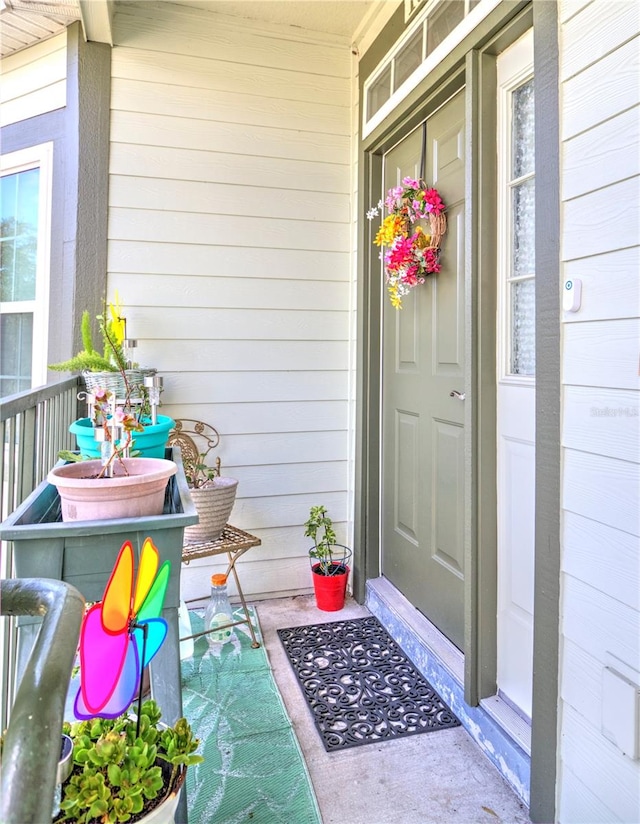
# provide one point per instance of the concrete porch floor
(432, 778)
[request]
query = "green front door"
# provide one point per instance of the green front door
(422, 403)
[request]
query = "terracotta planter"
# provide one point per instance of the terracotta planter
(213, 504)
(140, 493)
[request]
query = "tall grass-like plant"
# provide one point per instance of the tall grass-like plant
(112, 358)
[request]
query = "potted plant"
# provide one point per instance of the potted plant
(117, 485)
(213, 496)
(329, 561)
(111, 374)
(104, 368)
(126, 771)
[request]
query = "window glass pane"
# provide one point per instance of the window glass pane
(379, 92)
(523, 131)
(16, 345)
(442, 22)
(523, 328)
(8, 199)
(523, 226)
(409, 59)
(19, 234)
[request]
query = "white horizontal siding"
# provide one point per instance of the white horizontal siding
(580, 803)
(203, 259)
(227, 167)
(608, 153)
(602, 421)
(233, 138)
(602, 353)
(600, 570)
(226, 199)
(584, 232)
(230, 242)
(611, 84)
(610, 285)
(612, 778)
(250, 42)
(206, 104)
(34, 80)
(241, 78)
(592, 36)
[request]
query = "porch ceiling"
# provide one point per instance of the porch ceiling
(25, 22)
(340, 17)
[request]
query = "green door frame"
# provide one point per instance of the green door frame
(472, 64)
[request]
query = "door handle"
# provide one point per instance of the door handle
(459, 396)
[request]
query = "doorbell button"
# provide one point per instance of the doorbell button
(572, 295)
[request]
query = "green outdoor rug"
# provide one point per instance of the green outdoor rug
(253, 769)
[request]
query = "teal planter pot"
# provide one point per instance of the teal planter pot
(150, 444)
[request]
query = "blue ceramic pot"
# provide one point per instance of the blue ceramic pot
(150, 444)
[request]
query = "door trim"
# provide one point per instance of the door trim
(546, 647)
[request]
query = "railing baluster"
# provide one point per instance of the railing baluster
(33, 428)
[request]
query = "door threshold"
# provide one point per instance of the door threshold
(492, 725)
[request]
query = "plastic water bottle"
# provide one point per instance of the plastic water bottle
(218, 613)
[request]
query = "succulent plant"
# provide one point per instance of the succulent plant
(118, 772)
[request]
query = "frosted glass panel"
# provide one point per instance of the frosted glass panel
(523, 328)
(442, 22)
(523, 131)
(379, 92)
(523, 222)
(408, 59)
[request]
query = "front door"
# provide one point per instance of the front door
(422, 403)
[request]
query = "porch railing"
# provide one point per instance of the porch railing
(34, 426)
(31, 749)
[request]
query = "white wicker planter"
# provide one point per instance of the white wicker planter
(214, 503)
(114, 382)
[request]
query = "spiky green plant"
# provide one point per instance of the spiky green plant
(89, 359)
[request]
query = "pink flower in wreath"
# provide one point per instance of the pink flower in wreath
(400, 253)
(433, 202)
(431, 260)
(410, 277)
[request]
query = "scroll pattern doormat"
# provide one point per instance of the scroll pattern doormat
(360, 686)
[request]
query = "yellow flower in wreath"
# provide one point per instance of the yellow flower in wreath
(392, 226)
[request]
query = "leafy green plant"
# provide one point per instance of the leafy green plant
(119, 773)
(319, 527)
(198, 473)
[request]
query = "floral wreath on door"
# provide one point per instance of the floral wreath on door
(411, 254)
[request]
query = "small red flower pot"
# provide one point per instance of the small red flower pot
(330, 583)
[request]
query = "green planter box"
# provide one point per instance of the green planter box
(83, 554)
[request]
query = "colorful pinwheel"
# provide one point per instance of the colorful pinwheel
(121, 634)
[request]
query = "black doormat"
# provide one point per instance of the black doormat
(360, 686)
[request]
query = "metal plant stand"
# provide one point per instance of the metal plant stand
(235, 542)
